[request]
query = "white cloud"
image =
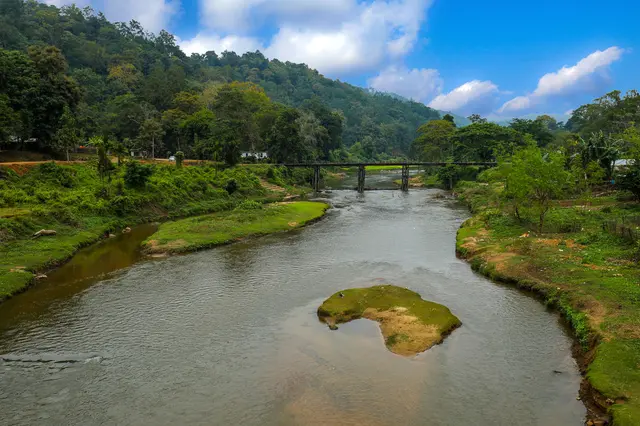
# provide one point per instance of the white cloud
(417, 84)
(60, 3)
(236, 15)
(517, 104)
(154, 15)
(472, 97)
(587, 75)
(203, 43)
(334, 36)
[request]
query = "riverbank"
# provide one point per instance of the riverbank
(588, 274)
(249, 219)
(82, 207)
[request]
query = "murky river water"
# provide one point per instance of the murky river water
(230, 336)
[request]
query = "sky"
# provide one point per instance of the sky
(501, 58)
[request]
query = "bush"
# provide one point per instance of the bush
(137, 175)
(231, 187)
(249, 205)
(60, 175)
(179, 159)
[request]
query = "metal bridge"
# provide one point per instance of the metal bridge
(362, 171)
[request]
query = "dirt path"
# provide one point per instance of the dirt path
(272, 187)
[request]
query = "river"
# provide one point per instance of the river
(230, 336)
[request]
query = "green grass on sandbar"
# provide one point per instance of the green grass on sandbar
(355, 301)
(409, 324)
(207, 231)
(382, 168)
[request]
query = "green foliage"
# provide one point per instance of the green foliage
(231, 186)
(179, 159)
(630, 181)
(533, 177)
(249, 205)
(136, 174)
(115, 77)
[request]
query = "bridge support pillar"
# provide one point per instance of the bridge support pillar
(361, 177)
(405, 178)
(316, 178)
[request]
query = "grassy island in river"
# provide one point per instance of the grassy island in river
(409, 324)
(247, 220)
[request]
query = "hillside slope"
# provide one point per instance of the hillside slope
(112, 60)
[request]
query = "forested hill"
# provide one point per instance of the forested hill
(111, 61)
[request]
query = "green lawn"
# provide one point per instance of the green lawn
(207, 231)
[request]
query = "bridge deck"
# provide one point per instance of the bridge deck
(409, 163)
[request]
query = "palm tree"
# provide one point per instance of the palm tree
(601, 148)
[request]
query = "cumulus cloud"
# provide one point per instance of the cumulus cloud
(416, 84)
(154, 15)
(203, 43)
(237, 15)
(60, 3)
(334, 36)
(587, 75)
(472, 97)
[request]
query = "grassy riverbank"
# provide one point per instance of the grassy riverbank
(82, 207)
(409, 324)
(586, 272)
(248, 220)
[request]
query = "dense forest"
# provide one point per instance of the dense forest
(68, 75)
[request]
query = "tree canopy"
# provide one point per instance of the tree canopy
(115, 77)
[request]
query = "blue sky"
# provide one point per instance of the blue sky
(501, 58)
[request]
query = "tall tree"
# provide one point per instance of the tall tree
(68, 136)
(434, 141)
(151, 133)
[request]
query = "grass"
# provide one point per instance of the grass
(20, 260)
(81, 207)
(207, 231)
(382, 168)
(409, 324)
(590, 276)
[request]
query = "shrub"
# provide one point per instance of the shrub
(231, 187)
(179, 159)
(249, 205)
(137, 175)
(60, 175)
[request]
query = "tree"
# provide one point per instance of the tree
(536, 128)
(104, 164)
(536, 178)
(434, 141)
(55, 91)
(284, 141)
(450, 118)
(313, 136)
(476, 118)
(482, 141)
(120, 150)
(68, 135)
(151, 133)
(601, 148)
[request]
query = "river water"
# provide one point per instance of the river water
(230, 336)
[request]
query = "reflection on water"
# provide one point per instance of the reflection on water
(230, 336)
